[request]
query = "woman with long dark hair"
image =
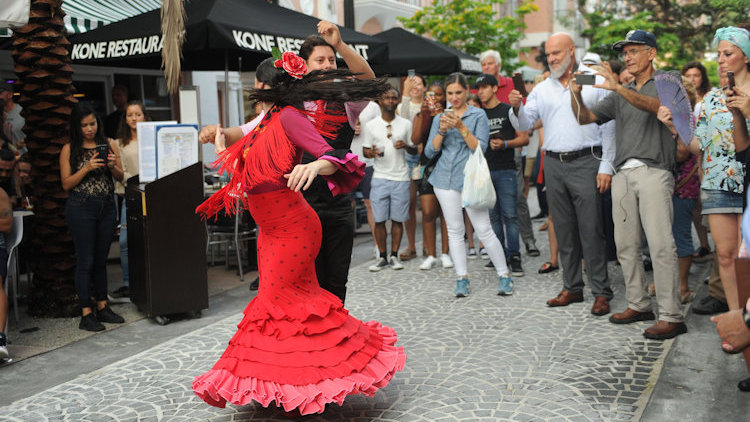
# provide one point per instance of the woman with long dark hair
(457, 134)
(297, 346)
(127, 145)
(87, 165)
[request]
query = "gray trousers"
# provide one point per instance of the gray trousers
(524, 219)
(575, 207)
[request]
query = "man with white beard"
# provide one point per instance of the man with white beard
(577, 169)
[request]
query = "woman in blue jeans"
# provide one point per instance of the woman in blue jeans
(87, 165)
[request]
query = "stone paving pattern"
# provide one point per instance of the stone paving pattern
(479, 358)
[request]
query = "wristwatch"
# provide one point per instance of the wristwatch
(464, 132)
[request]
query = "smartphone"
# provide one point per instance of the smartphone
(584, 79)
(429, 98)
(411, 73)
(103, 151)
(730, 76)
(519, 85)
(448, 112)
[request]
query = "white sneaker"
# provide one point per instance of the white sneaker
(378, 265)
(428, 263)
(446, 260)
(395, 263)
(472, 254)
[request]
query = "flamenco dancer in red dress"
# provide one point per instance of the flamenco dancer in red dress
(296, 347)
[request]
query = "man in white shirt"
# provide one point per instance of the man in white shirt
(387, 139)
(14, 122)
(577, 169)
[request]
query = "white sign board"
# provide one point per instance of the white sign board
(147, 149)
(176, 148)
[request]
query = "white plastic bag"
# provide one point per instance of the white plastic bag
(478, 191)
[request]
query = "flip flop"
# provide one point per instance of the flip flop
(547, 267)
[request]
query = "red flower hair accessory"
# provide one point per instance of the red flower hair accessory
(292, 64)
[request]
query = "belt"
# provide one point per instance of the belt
(572, 155)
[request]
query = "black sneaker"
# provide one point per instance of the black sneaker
(123, 291)
(489, 265)
(3, 347)
(255, 284)
(515, 266)
(532, 250)
(90, 323)
(106, 314)
(709, 305)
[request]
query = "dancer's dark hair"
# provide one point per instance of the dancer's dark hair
(81, 111)
(310, 43)
(327, 85)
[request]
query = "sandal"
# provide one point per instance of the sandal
(547, 267)
(407, 255)
(687, 297)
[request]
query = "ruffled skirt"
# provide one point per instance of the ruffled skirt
(297, 347)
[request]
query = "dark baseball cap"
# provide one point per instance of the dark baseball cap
(485, 79)
(6, 86)
(636, 36)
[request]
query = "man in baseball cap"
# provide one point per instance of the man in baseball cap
(644, 160)
(485, 79)
(636, 36)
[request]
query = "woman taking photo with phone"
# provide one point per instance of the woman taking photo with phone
(87, 165)
(457, 132)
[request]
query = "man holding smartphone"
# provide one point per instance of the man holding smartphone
(643, 187)
(577, 169)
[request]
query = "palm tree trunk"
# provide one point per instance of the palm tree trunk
(41, 55)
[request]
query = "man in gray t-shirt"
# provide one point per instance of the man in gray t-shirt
(642, 187)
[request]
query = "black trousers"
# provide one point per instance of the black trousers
(335, 256)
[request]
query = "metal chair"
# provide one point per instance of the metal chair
(12, 240)
(219, 236)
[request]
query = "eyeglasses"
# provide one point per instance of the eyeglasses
(632, 52)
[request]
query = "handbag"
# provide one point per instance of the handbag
(478, 191)
(427, 169)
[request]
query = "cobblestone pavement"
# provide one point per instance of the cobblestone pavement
(479, 358)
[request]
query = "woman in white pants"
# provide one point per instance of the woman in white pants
(455, 134)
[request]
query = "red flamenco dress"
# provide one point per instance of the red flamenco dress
(296, 345)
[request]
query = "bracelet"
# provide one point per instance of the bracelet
(746, 317)
(442, 134)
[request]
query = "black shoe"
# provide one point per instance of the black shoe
(744, 385)
(123, 291)
(489, 265)
(540, 215)
(648, 266)
(531, 250)
(106, 314)
(515, 266)
(254, 284)
(90, 323)
(709, 305)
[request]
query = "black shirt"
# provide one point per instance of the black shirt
(112, 123)
(500, 127)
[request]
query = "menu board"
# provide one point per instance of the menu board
(147, 149)
(176, 148)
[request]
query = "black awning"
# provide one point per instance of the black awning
(410, 51)
(214, 28)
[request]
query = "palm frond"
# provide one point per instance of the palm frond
(173, 35)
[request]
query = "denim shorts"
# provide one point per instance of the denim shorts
(682, 225)
(721, 202)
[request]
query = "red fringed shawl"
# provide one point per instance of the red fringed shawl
(264, 155)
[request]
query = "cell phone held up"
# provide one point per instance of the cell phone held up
(102, 151)
(585, 79)
(519, 85)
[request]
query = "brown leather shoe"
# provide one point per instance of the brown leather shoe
(630, 315)
(565, 298)
(601, 306)
(664, 330)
